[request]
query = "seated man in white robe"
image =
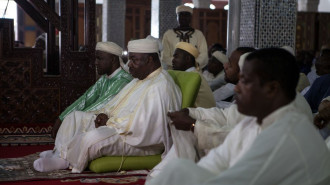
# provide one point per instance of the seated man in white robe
(322, 119)
(133, 123)
(224, 96)
(209, 127)
(215, 74)
(109, 65)
(184, 60)
(276, 144)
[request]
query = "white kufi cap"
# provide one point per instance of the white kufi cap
(242, 59)
(42, 37)
(327, 98)
(183, 8)
(160, 45)
(289, 49)
(143, 46)
(109, 47)
(220, 56)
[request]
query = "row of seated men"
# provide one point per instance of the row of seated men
(223, 87)
(126, 125)
(265, 136)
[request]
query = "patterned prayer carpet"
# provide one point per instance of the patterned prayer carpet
(20, 170)
(33, 129)
(100, 181)
(22, 135)
(23, 140)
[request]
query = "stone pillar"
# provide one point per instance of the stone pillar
(233, 25)
(202, 3)
(163, 16)
(113, 26)
(268, 23)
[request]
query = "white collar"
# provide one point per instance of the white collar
(114, 73)
(191, 69)
(272, 117)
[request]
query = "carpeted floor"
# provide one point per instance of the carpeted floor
(15, 169)
(24, 140)
(128, 180)
(17, 153)
(20, 151)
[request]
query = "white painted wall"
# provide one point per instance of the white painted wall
(314, 5)
(324, 6)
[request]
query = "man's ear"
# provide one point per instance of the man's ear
(272, 88)
(150, 59)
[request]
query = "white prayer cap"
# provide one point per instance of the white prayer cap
(220, 56)
(327, 98)
(109, 47)
(325, 46)
(242, 59)
(188, 48)
(289, 49)
(143, 46)
(42, 37)
(160, 45)
(183, 8)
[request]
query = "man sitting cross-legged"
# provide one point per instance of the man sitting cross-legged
(134, 122)
(275, 144)
(109, 64)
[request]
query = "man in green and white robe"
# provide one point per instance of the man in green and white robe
(108, 64)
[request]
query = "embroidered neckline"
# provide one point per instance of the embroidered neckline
(184, 36)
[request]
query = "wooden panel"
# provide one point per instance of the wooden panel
(138, 19)
(27, 95)
(324, 29)
(312, 30)
(77, 68)
(1, 43)
(213, 24)
(305, 32)
(98, 14)
(47, 12)
(81, 19)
